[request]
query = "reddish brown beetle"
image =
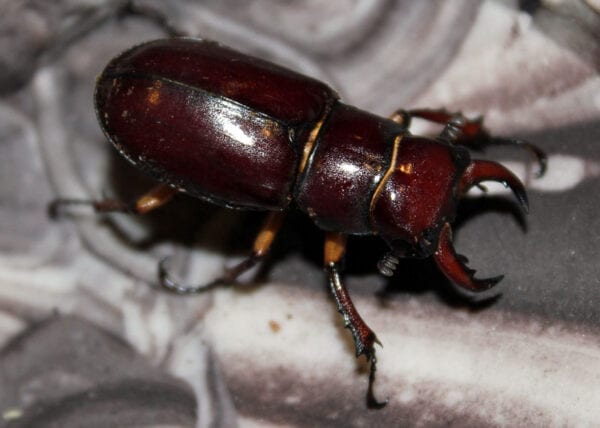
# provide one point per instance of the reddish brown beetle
(244, 133)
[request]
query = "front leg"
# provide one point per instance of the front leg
(364, 337)
(467, 132)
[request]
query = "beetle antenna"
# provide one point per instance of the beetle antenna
(388, 264)
(454, 128)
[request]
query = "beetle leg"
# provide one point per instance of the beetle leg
(467, 128)
(467, 132)
(539, 154)
(156, 197)
(153, 15)
(261, 247)
(364, 337)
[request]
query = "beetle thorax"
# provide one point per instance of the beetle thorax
(417, 195)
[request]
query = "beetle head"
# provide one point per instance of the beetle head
(416, 204)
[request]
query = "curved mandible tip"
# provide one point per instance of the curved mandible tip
(453, 266)
(482, 170)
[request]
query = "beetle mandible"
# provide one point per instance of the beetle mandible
(244, 133)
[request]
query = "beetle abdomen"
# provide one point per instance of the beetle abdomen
(216, 123)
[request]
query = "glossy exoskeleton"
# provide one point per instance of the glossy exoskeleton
(244, 133)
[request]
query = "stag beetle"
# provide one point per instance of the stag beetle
(244, 133)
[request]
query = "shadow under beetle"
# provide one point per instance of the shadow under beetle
(244, 133)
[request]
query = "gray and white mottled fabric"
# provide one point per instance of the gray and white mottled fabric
(87, 339)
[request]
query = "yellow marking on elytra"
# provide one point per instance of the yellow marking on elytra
(405, 168)
(154, 92)
(269, 129)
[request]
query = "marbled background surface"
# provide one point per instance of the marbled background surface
(88, 340)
